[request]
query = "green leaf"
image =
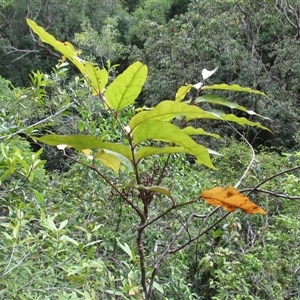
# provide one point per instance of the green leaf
(109, 160)
(158, 287)
(124, 90)
(182, 91)
(96, 77)
(167, 110)
(125, 161)
(4, 150)
(65, 49)
(127, 250)
(63, 224)
(198, 131)
(149, 151)
(38, 196)
(155, 188)
(81, 142)
(159, 130)
(223, 101)
(241, 121)
(233, 87)
(217, 233)
(8, 172)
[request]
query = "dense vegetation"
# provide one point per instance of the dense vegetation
(69, 225)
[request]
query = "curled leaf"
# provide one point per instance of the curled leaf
(206, 73)
(230, 199)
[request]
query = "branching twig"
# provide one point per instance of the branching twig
(138, 211)
(273, 176)
(275, 194)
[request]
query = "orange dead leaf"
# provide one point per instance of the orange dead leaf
(230, 199)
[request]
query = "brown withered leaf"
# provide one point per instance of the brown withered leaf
(230, 199)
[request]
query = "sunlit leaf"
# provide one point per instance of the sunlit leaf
(238, 120)
(109, 160)
(208, 98)
(233, 87)
(124, 90)
(124, 160)
(167, 110)
(96, 77)
(182, 91)
(159, 130)
(230, 199)
(66, 48)
(198, 131)
(81, 142)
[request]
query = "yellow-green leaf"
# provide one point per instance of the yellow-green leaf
(182, 91)
(198, 131)
(241, 121)
(233, 87)
(81, 142)
(167, 110)
(96, 77)
(124, 90)
(109, 160)
(159, 130)
(208, 98)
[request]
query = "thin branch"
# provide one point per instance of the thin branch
(201, 233)
(275, 194)
(169, 210)
(138, 211)
(35, 124)
(25, 52)
(171, 244)
(272, 177)
(163, 170)
(248, 169)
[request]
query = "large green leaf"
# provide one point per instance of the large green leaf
(209, 98)
(81, 142)
(66, 49)
(124, 90)
(167, 110)
(233, 87)
(96, 77)
(238, 120)
(159, 130)
(45, 37)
